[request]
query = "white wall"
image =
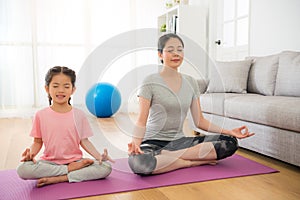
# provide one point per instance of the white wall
(145, 16)
(147, 13)
(274, 26)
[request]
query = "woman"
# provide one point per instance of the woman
(158, 144)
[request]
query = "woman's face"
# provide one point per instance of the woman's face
(172, 54)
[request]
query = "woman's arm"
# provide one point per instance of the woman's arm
(140, 127)
(204, 124)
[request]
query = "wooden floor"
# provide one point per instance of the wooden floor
(284, 185)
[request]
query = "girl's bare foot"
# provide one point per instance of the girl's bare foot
(51, 180)
(80, 164)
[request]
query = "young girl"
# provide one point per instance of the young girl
(159, 144)
(62, 129)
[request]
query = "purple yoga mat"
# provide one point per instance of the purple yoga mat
(122, 179)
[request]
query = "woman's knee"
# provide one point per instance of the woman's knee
(142, 164)
(226, 147)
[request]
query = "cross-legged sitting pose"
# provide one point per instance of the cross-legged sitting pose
(158, 144)
(62, 129)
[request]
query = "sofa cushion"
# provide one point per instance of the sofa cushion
(214, 102)
(277, 111)
(262, 74)
(229, 76)
(288, 76)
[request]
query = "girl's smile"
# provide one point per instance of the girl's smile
(60, 96)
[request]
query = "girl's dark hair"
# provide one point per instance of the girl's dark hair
(59, 70)
(164, 39)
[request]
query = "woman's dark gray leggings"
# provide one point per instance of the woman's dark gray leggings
(144, 164)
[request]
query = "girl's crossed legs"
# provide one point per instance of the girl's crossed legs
(48, 172)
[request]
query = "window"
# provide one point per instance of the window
(36, 35)
(235, 22)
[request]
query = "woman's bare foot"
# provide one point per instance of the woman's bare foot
(193, 163)
(79, 165)
(51, 180)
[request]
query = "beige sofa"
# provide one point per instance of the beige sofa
(262, 93)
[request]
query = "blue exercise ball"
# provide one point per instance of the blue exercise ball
(103, 100)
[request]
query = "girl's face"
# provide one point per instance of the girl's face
(60, 89)
(172, 54)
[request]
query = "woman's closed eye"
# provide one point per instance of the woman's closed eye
(179, 50)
